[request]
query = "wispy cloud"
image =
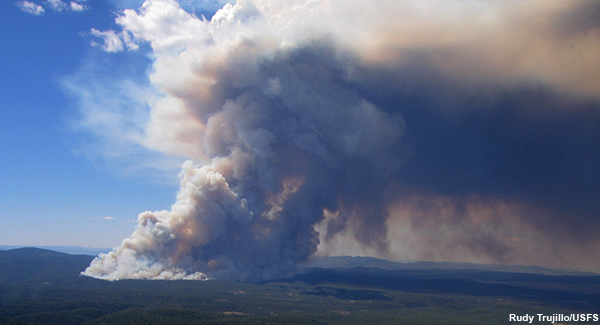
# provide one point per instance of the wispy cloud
(112, 114)
(113, 42)
(57, 5)
(38, 9)
(77, 6)
(31, 8)
(103, 218)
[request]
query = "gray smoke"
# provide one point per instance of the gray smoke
(286, 139)
(310, 122)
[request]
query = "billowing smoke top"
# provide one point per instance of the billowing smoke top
(284, 139)
(306, 120)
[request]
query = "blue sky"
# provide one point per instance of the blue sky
(53, 190)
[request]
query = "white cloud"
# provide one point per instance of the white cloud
(114, 42)
(57, 5)
(164, 25)
(54, 5)
(31, 8)
(103, 218)
(128, 40)
(77, 6)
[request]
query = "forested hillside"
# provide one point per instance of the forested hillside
(44, 287)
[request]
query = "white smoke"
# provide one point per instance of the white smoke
(160, 247)
(264, 99)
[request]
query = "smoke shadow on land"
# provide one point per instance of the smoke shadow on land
(559, 291)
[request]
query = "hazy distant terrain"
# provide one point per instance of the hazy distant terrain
(75, 250)
(42, 286)
(358, 261)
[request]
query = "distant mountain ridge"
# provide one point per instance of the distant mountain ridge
(330, 262)
(73, 250)
(36, 265)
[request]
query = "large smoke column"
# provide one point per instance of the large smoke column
(459, 128)
(283, 140)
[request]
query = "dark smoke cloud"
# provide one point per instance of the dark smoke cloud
(287, 143)
(527, 144)
(465, 131)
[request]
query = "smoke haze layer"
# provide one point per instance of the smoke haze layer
(444, 130)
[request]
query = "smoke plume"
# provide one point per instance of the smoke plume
(307, 123)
